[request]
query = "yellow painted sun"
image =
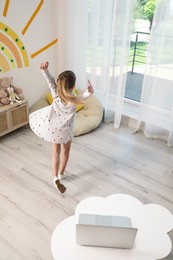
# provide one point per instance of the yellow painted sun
(12, 50)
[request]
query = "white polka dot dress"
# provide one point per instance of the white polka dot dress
(54, 123)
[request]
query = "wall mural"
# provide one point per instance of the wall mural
(12, 50)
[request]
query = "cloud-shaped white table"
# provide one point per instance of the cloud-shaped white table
(154, 222)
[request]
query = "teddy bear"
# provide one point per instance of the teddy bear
(10, 93)
(4, 99)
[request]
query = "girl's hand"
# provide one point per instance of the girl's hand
(44, 66)
(90, 88)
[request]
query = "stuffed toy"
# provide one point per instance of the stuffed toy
(10, 92)
(4, 99)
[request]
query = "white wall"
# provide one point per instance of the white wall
(41, 32)
(72, 29)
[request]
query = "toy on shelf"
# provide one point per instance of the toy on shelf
(4, 99)
(9, 94)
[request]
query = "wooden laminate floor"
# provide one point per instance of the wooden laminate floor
(101, 163)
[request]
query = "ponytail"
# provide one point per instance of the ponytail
(65, 84)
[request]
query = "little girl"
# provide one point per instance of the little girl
(55, 123)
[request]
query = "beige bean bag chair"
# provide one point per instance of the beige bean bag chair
(87, 118)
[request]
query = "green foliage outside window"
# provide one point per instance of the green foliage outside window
(144, 9)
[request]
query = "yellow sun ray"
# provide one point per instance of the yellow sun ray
(6, 7)
(32, 17)
(44, 48)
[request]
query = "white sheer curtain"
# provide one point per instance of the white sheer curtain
(156, 107)
(117, 65)
(94, 41)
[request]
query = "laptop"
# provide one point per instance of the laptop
(105, 231)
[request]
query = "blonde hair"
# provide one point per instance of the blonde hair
(65, 84)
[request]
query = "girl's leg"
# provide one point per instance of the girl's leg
(56, 150)
(64, 156)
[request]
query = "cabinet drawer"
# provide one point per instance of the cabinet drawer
(4, 123)
(19, 116)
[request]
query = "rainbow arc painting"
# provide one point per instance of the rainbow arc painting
(13, 53)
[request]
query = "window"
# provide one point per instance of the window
(143, 16)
